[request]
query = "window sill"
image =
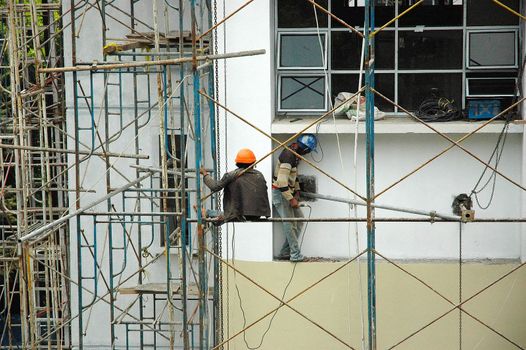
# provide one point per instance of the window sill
(389, 125)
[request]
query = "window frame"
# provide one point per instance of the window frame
(302, 74)
(329, 72)
(468, 95)
(492, 30)
(280, 33)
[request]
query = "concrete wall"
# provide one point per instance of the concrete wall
(404, 305)
(433, 188)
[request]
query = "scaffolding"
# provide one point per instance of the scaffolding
(130, 255)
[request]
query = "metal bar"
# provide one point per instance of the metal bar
(69, 151)
(369, 57)
(100, 67)
(341, 21)
(364, 219)
(203, 306)
(509, 9)
(396, 18)
(432, 214)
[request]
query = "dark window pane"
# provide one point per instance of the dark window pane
(353, 12)
(491, 86)
(349, 83)
(302, 92)
(302, 50)
(487, 13)
(492, 49)
(432, 13)
(300, 14)
(430, 50)
(414, 88)
(346, 50)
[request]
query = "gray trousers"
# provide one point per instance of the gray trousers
(292, 230)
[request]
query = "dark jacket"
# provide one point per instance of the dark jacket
(244, 195)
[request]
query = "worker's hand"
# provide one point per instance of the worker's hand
(294, 203)
(297, 195)
(203, 171)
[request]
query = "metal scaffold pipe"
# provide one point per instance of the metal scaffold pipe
(432, 214)
(97, 66)
(70, 151)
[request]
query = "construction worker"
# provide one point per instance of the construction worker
(285, 194)
(245, 196)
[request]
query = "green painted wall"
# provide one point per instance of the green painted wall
(403, 305)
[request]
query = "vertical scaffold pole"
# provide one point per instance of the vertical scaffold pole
(203, 284)
(213, 150)
(77, 176)
(369, 127)
(182, 146)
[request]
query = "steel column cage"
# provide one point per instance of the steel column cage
(112, 227)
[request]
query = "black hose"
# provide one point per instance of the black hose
(438, 109)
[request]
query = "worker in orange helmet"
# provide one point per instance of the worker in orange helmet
(245, 196)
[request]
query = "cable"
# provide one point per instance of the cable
(497, 153)
(282, 297)
(438, 109)
(321, 150)
(460, 284)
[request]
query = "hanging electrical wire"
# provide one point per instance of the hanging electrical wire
(282, 296)
(492, 178)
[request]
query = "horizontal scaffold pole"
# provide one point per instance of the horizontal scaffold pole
(353, 219)
(96, 66)
(44, 229)
(432, 214)
(61, 150)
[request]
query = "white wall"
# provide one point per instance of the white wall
(431, 189)
(248, 94)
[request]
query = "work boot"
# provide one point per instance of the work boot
(297, 258)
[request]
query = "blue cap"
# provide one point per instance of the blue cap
(308, 141)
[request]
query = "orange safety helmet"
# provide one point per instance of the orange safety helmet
(245, 156)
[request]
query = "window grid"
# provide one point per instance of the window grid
(463, 71)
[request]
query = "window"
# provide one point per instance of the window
(302, 50)
(302, 93)
(492, 49)
(485, 87)
(442, 44)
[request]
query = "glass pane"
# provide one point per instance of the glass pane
(414, 88)
(353, 12)
(487, 13)
(430, 50)
(346, 50)
(300, 14)
(491, 86)
(302, 50)
(492, 49)
(432, 13)
(349, 83)
(302, 92)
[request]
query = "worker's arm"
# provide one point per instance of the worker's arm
(214, 185)
(282, 181)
